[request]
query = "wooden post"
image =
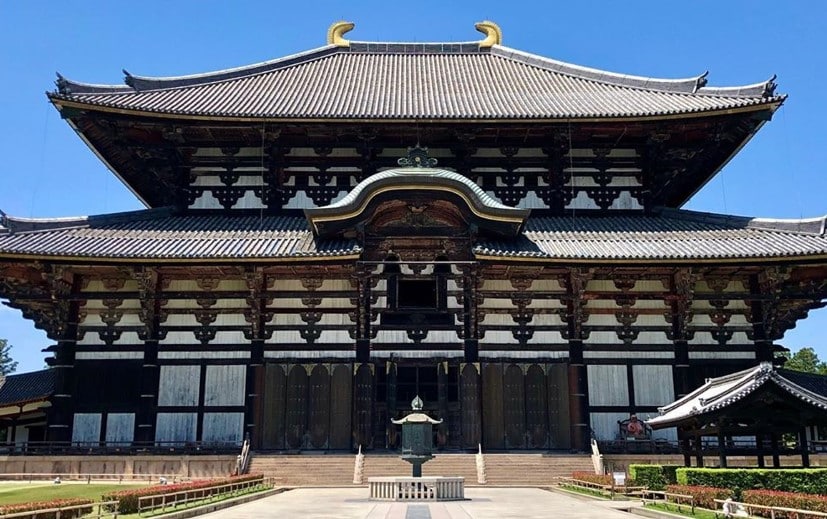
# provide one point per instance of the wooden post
(759, 444)
(699, 453)
(802, 445)
(776, 460)
(721, 448)
(685, 447)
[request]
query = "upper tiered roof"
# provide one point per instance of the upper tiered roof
(346, 81)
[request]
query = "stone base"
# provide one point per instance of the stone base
(433, 488)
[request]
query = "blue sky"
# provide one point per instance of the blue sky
(47, 171)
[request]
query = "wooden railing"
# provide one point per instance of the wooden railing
(773, 511)
(161, 502)
(89, 477)
(99, 511)
(609, 490)
(679, 500)
(50, 448)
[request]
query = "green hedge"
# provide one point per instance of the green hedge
(808, 481)
(655, 477)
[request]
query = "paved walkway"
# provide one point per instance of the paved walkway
(483, 503)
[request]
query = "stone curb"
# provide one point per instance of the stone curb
(221, 505)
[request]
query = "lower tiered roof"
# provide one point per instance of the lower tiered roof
(160, 235)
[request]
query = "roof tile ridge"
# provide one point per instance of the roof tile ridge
(791, 387)
(765, 89)
(137, 83)
(710, 382)
(16, 224)
(809, 226)
(680, 85)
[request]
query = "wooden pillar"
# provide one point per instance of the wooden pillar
(60, 415)
(471, 345)
(390, 402)
(442, 401)
(776, 459)
(363, 313)
(759, 445)
(685, 447)
(578, 400)
(803, 447)
(721, 448)
(699, 452)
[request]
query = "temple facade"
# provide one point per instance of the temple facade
(329, 234)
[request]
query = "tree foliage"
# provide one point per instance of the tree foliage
(7, 364)
(806, 360)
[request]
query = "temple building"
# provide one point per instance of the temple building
(329, 234)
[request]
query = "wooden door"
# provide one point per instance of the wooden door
(558, 407)
(470, 406)
(493, 436)
(340, 411)
(514, 407)
(536, 407)
(319, 416)
(296, 416)
(275, 396)
(363, 406)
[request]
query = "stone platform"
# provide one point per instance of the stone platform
(430, 488)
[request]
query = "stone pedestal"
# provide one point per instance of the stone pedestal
(434, 488)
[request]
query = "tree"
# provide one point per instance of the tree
(805, 360)
(7, 364)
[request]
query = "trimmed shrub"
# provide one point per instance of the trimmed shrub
(704, 496)
(128, 499)
(808, 481)
(654, 477)
(670, 473)
(809, 502)
(650, 476)
(44, 505)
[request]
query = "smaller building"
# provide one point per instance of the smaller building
(758, 411)
(23, 401)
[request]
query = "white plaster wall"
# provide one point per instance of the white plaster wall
(86, 428)
(608, 385)
(179, 385)
(653, 385)
(120, 427)
(176, 427)
(225, 385)
(223, 427)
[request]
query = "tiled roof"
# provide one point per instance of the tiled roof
(671, 235)
(158, 234)
(721, 392)
(27, 387)
(416, 81)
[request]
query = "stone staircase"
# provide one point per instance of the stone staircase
(533, 469)
(527, 469)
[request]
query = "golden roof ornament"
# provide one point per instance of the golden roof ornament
(335, 34)
(492, 31)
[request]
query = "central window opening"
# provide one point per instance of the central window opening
(417, 294)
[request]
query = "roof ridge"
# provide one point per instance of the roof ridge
(16, 224)
(812, 226)
(137, 83)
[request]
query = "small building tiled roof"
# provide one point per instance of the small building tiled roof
(161, 235)
(422, 81)
(672, 234)
(23, 388)
(488, 213)
(719, 393)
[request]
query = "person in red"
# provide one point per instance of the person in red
(634, 427)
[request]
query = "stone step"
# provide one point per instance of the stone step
(501, 469)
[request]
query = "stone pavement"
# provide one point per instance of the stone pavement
(483, 503)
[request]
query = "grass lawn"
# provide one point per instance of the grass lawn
(593, 492)
(700, 513)
(13, 493)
